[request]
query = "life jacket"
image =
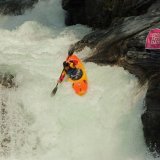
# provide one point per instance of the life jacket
(73, 72)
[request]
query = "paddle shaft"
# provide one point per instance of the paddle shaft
(56, 87)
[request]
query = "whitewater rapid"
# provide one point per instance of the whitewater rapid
(105, 124)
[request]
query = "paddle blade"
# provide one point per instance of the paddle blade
(54, 91)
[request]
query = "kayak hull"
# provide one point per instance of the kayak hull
(80, 86)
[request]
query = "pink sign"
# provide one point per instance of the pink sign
(153, 39)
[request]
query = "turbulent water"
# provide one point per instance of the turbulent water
(104, 124)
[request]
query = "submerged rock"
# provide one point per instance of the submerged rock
(15, 120)
(6, 81)
(123, 44)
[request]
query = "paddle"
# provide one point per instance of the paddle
(54, 90)
(56, 87)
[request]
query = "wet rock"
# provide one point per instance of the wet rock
(151, 116)
(101, 13)
(113, 43)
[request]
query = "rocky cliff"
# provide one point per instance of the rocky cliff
(119, 39)
(101, 13)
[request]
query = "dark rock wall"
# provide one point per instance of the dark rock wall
(75, 11)
(101, 13)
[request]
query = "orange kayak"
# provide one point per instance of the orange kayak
(80, 86)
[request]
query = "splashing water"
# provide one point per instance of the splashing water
(103, 124)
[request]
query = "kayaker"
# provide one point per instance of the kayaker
(70, 69)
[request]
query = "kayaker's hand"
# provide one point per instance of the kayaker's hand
(59, 81)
